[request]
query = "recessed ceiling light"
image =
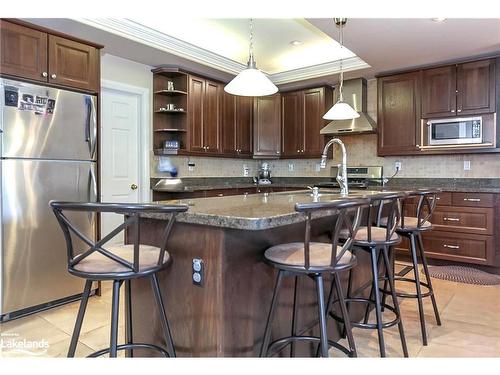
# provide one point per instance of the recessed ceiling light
(439, 19)
(296, 42)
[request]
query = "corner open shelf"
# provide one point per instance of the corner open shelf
(170, 125)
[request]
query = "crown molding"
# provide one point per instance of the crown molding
(145, 35)
(320, 70)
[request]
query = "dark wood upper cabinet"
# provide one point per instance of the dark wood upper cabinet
(267, 127)
(30, 53)
(244, 119)
(476, 87)
(292, 123)
(204, 115)
(196, 87)
(73, 64)
(211, 116)
(23, 51)
(236, 125)
(229, 143)
(456, 90)
(316, 102)
(398, 114)
(302, 119)
(439, 92)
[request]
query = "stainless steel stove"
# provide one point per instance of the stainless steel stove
(357, 177)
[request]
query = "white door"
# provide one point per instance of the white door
(119, 153)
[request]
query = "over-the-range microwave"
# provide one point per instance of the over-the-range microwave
(455, 131)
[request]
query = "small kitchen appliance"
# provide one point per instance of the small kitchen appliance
(264, 177)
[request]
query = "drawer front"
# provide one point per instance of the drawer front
(443, 199)
(473, 199)
(468, 248)
(476, 220)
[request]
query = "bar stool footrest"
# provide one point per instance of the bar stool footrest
(280, 344)
(367, 325)
(411, 295)
(129, 347)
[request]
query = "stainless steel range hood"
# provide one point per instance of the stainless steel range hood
(355, 95)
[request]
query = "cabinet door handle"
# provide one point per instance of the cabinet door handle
(472, 199)
(53, 76)
(459, 110)
(451, 246)
(44, 74)
(220, 195)
(277, 152)
(452, 111)
(450, 219)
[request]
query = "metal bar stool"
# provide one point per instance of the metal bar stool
(315, 259)
(120, 263)
(377, 241)
(412, 227)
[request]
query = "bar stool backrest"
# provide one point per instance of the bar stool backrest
(387, 206)
(343, 208)
(130, 211)
(425, 206)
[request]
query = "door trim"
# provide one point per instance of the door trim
(144, 131)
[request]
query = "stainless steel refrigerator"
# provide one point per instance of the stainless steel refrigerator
(48, 150)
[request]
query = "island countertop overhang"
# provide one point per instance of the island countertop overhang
(253, 212)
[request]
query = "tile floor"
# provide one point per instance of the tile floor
(470, 316)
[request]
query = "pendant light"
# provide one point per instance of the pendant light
(341, 110)
(251, 81)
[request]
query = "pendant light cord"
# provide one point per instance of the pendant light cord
(341, 38)
(251, 59)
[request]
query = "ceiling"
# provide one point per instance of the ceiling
(400, 43)
(271, 40)
(219, 47)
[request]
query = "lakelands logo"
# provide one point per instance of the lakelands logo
(12, 342)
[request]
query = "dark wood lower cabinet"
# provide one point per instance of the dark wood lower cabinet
(464, 228)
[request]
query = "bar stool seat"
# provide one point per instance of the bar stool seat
(410, 224)
(314, 260)
(320, 254)
(104, 260)
(378, 235)
(412, 229)
(100, 264)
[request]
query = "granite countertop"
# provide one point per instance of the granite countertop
(473, 185)
(191, 184)
(252, 212)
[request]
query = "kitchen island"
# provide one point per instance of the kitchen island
(226, 314)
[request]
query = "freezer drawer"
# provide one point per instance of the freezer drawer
(43, 122)
(34, 260)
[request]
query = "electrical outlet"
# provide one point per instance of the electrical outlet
(290, 167)
(198, 272)
(398, 166)
(317, 167)
(466, 165)
(191, 167)
(246, 170)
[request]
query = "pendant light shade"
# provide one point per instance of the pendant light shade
(251, 81)
(341, 110)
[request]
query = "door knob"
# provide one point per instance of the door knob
(53, 76)
(133, 187)
(44, 74)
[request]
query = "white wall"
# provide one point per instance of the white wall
(115, 68)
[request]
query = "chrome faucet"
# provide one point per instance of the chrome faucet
(342, 170)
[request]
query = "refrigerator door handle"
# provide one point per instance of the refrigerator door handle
(92, 190)
(90, 126)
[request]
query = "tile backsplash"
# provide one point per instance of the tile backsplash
(361, 150)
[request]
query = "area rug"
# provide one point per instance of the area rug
(463, 274)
